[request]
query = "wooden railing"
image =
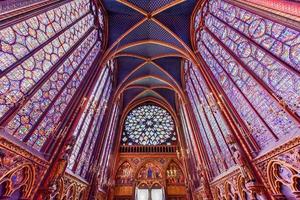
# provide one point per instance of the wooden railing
(148, 149)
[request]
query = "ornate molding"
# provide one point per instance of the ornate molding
(287, 154)
(5, 143)
(278, 150)
(15, 157)
(235, 171)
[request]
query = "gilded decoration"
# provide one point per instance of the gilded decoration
(279, 167)
(174, 175)
(234, 186)
(125, 174)
(149, 172)
(280, 159)
(74, 189)
(20, 169)
(69, 187)
(143, 168)
(283, 178)
(19, 178)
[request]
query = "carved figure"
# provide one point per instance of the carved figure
(245, 170)
(59, 170)
(149, 172)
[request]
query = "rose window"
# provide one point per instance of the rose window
(149, 125)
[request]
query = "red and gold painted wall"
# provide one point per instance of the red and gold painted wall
(146, 171)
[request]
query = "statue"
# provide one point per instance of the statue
(149, 174)
(240, 160)
(157, 173)
(244, 168)
(204, 182)
(59, 170)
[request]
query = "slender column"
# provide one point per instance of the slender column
(106, 130)
(212, 113)
(243, 148)
(192, 154)
(112, 134)
(237, 134)
(68, 120)
(182, 155)
(51, 104)
(204, 172)
(98, 156)
(74, 103)
(202, 154)
(89, 127)
(206, 136)
(86, 101)
(96, 131)
(107, 139)
(229, 112)
(84, 91)
(211, 130)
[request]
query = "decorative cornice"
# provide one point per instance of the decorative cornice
(77, 179)
(278, 150)
(226, 175)
(10, 145)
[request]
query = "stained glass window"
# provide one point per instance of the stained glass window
(109, 143)
(88, 128)
(149, 125)
(256, 62)
(213, 127)
(43, 61)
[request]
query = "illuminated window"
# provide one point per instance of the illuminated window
(149, 125)
(88, 127)
(43, 62)
(256, 62)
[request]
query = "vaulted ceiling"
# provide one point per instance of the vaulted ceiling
(148, 39)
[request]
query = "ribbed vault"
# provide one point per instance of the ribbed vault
(148, 46)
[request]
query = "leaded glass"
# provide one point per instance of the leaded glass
(279, 40)
(25, 76)
(149, 125)
(279, 79)
(43, 61)
(255, 62)
(20, 39)
(203, 134)
(52, 117)
(213, 127)
(37, 105)
(87, 130)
